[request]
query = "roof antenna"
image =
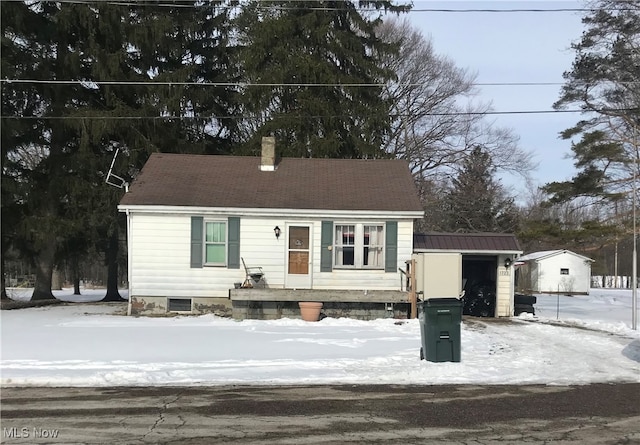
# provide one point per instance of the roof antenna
(115, 180)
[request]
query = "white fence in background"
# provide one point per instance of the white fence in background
(611, 282)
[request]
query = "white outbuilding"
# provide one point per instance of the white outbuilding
(553, 271)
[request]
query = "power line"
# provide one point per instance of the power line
(191, 4)
(91, 83)
(94, 84)
(177, 118)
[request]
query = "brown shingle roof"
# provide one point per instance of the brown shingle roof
(494, 242)
(297, 183)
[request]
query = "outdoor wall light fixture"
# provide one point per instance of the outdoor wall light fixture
(276, 230)
(507, 263)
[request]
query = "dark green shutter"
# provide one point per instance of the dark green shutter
(196, 241)
(391, 246)
(233, 245)
(326, 241)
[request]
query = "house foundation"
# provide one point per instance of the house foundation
(271, 304)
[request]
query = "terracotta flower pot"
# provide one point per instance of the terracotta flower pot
(310, 310)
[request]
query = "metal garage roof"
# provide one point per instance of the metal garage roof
(466, 242)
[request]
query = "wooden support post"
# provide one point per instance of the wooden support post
(413, 296)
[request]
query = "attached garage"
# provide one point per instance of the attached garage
(477, 266)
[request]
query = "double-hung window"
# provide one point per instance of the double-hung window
(215, 243)
(345, 244)
(373, 246)
(359, 246)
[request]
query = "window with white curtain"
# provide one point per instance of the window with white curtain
(359, 246)
(373, 246)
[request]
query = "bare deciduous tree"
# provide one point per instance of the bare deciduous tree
(436, 122)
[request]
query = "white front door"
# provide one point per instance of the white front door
(298, 256)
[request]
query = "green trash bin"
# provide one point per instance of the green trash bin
(440, 329)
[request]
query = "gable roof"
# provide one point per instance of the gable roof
(466, 242)
(537, 256)
(297, 183)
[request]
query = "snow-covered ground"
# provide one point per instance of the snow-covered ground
(570, 340)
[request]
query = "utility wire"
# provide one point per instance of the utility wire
(177, 118)
(91, 83)
(266, 6)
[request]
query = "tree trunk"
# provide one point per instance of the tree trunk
(4, 295)
(75, 274)
(44, 272)
(56, 279)
(111, 256)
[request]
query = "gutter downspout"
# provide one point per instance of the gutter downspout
(129, 261)
(512, 287)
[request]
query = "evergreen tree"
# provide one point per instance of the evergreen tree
(306, 55)
(187, 44)
(177, 42)
(476, 202)
(603, 82)
(38, 38)
(97, 68)
(16, 101)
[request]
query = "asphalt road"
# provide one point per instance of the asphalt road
(351, 414)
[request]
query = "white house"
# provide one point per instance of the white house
(309, 224)
(554, 271)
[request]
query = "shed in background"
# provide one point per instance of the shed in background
(554, 271)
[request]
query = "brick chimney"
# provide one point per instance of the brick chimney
(268, 163)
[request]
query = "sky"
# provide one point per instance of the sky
(570, 340)
(507, 47)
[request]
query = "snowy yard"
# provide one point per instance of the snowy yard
(570, 340)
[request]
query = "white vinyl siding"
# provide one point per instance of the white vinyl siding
(160, 260)
(554, 276)
(160, 255)
(504, 289)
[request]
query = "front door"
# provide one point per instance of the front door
(299, 257)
